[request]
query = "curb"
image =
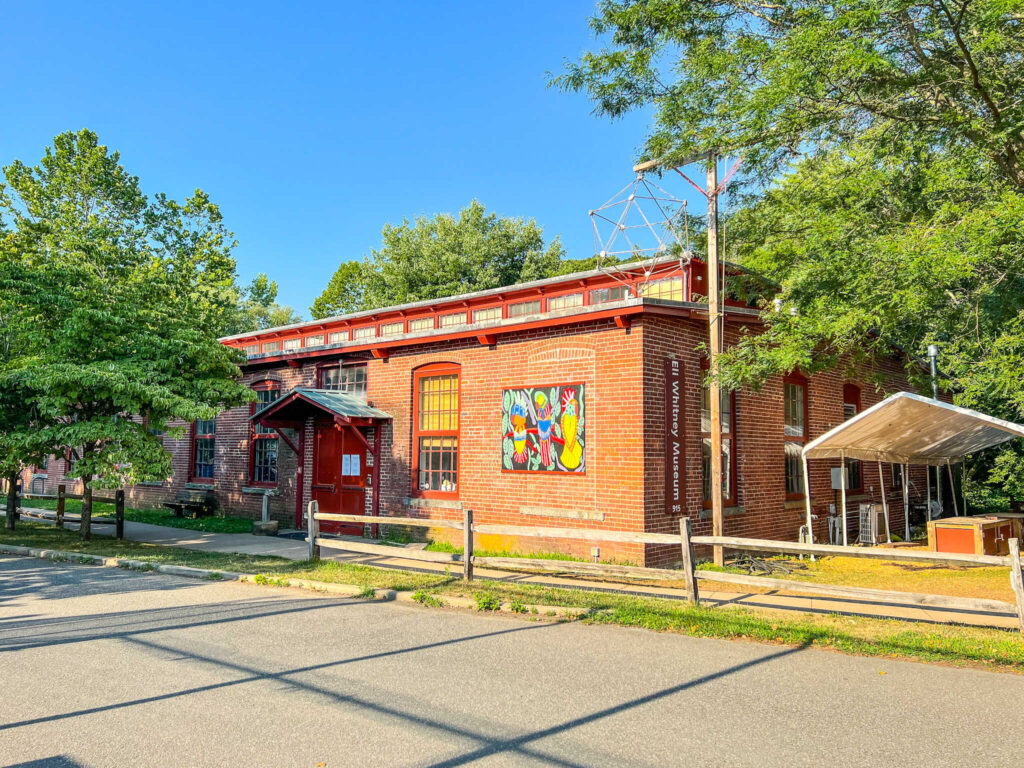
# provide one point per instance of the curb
(536, 612)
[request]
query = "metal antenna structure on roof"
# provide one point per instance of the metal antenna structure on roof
(641, 222)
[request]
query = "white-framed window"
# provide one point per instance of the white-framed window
(337, 337)
(521, 308)
(602, 295)
(271, 346)
(316, 340)
(565, 302)
(421, 324)
(669, 288)
(456, 318)
(251, 349)
(350, 379)
(487, 315)
(366, 332)
(292, 343)
(392, 329)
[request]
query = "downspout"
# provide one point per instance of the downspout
(300, 476)
(375, 509)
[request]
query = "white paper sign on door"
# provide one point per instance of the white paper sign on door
(346, 464)
(355, 463)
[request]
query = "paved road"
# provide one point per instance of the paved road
(102, 667)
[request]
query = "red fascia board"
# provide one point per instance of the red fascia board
(380, 346)
(509, 296)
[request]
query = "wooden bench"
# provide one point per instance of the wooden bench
(193, 503)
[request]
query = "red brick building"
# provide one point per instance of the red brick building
(550, 403)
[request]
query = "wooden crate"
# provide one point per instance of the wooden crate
(980, 535)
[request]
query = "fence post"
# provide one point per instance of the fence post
(61, 493)
(119, 512)
(1017, 580)
(689, 564)
(467, 545)
(313, 529)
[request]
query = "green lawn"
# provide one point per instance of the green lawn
(951, 644)
(225, 524)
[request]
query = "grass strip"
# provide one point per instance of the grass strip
(218, 524)
(951, 644)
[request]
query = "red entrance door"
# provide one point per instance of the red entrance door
(339, 475)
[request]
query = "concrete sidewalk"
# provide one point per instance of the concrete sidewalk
(295, 549)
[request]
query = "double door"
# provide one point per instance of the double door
(339, 475)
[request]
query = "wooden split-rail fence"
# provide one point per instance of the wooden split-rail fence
(688, 574)
(62, 496)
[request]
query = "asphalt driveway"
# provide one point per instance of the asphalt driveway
(103, 667)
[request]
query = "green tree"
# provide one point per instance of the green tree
(782, 80)
(442, 256)
(124, 298)
(343, 294)
(258, 308)
(882, 143)
(17, 416)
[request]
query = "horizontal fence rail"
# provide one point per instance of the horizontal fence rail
(689, 575)
(876, 553)
(59, 517)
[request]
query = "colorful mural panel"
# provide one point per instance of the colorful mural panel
(543, 429)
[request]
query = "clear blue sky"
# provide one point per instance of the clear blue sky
(313, 126)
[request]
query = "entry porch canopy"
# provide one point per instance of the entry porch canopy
(906, 428)
(291, 411)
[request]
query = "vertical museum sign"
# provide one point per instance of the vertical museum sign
(675, 455)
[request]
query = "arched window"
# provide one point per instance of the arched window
(263, 443)
(435, 453)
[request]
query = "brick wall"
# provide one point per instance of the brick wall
(623, 486)
(762, 510)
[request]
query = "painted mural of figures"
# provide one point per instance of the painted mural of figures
(572, 451)
(519, 431)
(544, 427)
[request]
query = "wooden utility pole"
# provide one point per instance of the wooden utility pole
(715, 343)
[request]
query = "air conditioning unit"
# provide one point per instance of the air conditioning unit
(872, 524)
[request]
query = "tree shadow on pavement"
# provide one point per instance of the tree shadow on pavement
(22, 577)
(484, 744)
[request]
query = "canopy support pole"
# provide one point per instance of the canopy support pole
(906, 502)
(842, 492)
(963, 483)
(807, 503)
(952, 488)
(928, 485)
(885, 502)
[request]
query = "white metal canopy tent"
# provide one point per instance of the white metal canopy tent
(906, 429)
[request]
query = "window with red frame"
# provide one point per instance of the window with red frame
(794, 395)
(263, 455)
(728, 446)
(436, 431)
(851, 407)
(204, 443)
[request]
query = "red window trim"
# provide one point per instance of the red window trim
(433, 369)
(731, 498)
(800, 380)
(261, 386)
(192, 455)
(851, 396)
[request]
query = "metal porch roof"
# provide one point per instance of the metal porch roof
(910, 429)
(336, 403)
